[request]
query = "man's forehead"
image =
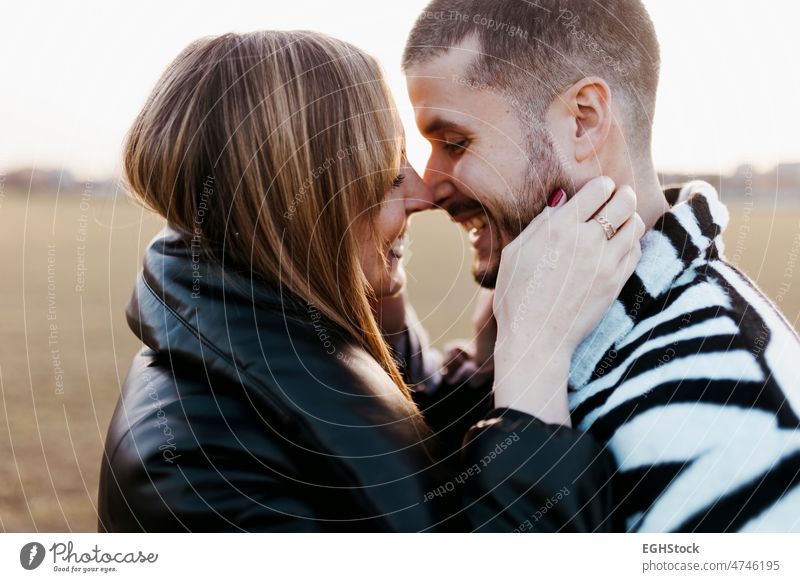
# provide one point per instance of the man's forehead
(447, 62)
(435, 91)
(443, 111)
(443, 104)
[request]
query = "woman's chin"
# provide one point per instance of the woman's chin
(394, 282)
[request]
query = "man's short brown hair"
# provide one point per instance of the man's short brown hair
(537, 49)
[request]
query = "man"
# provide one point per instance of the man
(692, 379)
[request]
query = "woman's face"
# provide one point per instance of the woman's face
(408, 195)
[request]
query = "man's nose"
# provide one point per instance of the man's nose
(418, 195)
(439, 181)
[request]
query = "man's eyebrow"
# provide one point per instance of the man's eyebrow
(438, 124)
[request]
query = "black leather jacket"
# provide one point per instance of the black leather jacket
(245, 411)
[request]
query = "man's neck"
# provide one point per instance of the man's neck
(651, 203)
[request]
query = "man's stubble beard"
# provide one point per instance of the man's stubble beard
(515, 212)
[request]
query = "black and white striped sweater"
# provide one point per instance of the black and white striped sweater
(692, 380)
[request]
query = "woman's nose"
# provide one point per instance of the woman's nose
(417, 194)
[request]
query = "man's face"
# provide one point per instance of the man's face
(492, 167)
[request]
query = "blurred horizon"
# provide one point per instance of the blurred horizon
(780, 182)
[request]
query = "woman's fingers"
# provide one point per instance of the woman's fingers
(621, 254)
(628, 236)
(593, 196)
(587, 202)
(619, 209)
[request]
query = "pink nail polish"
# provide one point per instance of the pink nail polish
(555, 198)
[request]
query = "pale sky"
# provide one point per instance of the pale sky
(73, 75)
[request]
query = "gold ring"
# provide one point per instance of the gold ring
(608, 228)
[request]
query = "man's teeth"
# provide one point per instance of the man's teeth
(475, 223)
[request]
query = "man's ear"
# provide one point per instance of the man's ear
(589, 104)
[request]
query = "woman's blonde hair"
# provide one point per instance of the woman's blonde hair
(299, 135)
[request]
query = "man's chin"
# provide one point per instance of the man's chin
(486, 260)
(486, 276)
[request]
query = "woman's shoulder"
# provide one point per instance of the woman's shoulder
(187, 452)
(190, 449)
(232, 385)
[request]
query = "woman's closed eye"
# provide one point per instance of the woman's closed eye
(398, 181)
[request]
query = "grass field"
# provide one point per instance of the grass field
(68, 269)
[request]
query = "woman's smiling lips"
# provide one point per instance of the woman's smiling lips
(398, 247)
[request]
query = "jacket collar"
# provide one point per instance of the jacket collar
(217, 321)
(248, 336)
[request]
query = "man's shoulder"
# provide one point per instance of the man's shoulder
(714, 308)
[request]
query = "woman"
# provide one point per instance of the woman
(265, 397)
